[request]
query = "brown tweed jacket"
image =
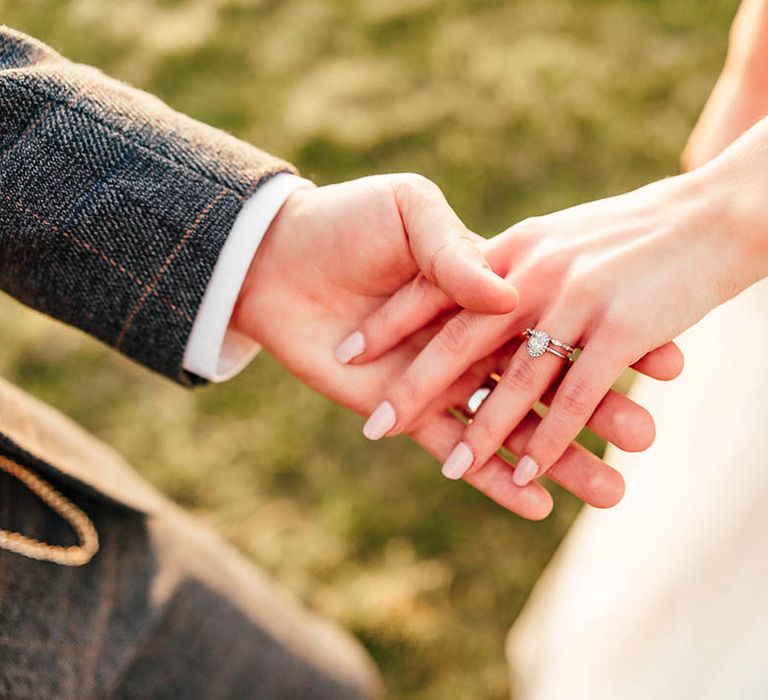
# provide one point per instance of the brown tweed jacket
(113, 211)
(113, 207)
(164, 610)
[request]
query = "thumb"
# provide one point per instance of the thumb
(446, 251)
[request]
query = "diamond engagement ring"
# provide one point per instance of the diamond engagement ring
(540, 342)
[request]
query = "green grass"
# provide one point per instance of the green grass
(514, 108)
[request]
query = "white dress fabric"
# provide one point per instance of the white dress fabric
(665, 597)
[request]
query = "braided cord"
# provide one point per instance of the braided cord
(75, 555)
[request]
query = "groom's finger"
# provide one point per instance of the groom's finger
(453, 272)
(618, 420)
(446, 251)
(663, 363)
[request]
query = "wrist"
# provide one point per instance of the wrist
(269, 269)
(730, 199)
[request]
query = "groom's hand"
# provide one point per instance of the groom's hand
(333, 255)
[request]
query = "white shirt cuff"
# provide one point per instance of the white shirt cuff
(215, 351)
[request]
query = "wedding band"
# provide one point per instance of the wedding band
(540, 342)
(478, 396)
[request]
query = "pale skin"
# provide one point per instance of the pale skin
(740, 96)
(335, 254)
(621, 278)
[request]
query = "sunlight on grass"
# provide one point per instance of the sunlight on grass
(514, 108)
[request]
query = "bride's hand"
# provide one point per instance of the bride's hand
(334, 254)
(620, 277)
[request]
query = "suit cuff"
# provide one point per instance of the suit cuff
(214, 351)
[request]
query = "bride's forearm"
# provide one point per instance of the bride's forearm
(731, 192)
(748, 39)
(740, 96)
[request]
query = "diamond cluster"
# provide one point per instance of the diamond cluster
(538, 342)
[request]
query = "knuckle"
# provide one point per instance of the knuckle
(531, 227)
(407, 392)
(548, 263)
(584, 286)
(427, 295)
(456, 333)
(377, 328)
(618, 324)
(480, 434)
(455, 249)
(421, 287)
(520, 376)
(575, 402)
(433, 269)
(412, 184)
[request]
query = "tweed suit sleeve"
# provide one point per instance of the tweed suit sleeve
(113, 207)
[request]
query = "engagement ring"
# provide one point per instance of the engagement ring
(540, 342)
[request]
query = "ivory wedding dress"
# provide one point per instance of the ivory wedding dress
(665, 597)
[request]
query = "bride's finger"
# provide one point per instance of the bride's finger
(419, 302)
(617, 419)
(410, 308)
(460, 343)
(581, 391)
(526, 378)
(620, 420)
(579, 471)
(438, 434)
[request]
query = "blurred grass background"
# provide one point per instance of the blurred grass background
(515, 108)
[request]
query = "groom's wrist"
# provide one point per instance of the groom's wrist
(270, 267)
(215, 351)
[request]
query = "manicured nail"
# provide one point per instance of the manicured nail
(380, 422)
(525, 471)
(350, 348)
(458, 462)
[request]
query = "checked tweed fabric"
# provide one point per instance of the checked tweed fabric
(113, 207)
(113, 212)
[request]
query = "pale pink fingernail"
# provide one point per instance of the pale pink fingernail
(525, 471)
(458, 462)
(350, 348)
(380, 422)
